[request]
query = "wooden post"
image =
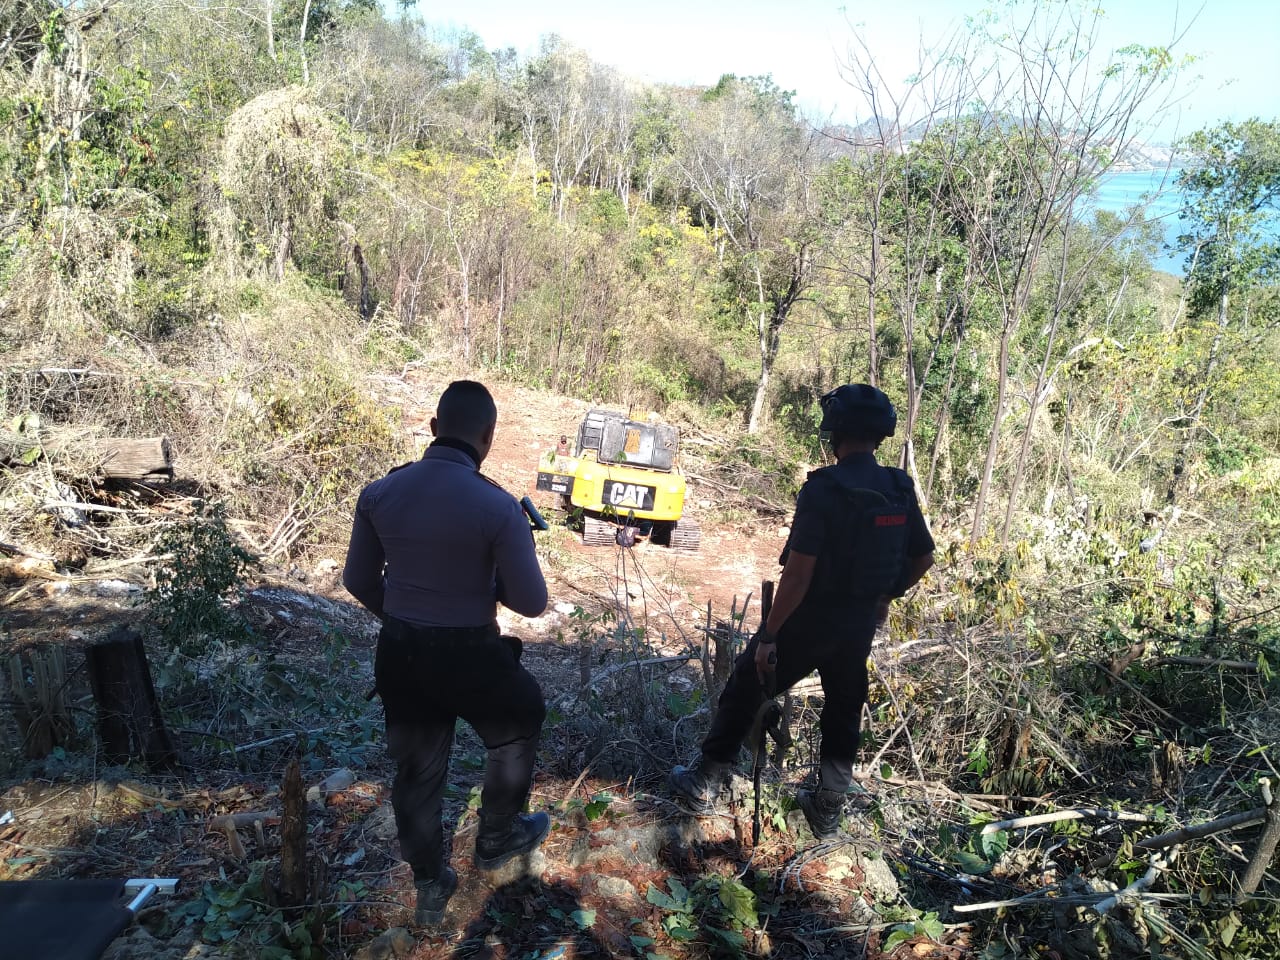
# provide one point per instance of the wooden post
(766, 601)
(707, 679)
(784, 741)
(124, 459)
(293, 838)
(722, 665)
(130, 726)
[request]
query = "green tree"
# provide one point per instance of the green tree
(1231, 188)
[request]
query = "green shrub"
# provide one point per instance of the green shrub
(202, 575)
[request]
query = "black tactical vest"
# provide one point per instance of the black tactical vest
(866, 556)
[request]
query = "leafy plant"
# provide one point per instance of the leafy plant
(927, 926)
(202, 575)
(244, 914)
(722, 906)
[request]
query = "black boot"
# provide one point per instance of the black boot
(505, 837)
(433, 897)
(822, 808)
(697, 788)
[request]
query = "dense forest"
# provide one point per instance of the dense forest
(222, 222)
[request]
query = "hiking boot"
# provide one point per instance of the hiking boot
(697, 788)
(822, 808)
(433, 897)
(502, 838)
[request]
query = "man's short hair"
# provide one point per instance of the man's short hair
(465, 410)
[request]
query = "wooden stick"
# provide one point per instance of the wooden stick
(228, 825)
(16, 551)
(277, 739)
(926, 786)
(1242, 665)
(707, 679)
(1140, 695)
(248, 819)
(618, 668)
(1200, 830)
(1036, 897)
(1076, 814)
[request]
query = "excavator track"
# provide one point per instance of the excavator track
(686, 536)
(598, 533)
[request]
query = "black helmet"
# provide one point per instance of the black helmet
(858, 409)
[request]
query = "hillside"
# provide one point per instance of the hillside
(617, 836)
(625, 871)
(242, 248)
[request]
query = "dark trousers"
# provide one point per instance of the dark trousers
(837, 647)
(428, 678)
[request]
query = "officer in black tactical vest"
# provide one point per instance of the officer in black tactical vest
(857, 541)
(435, 546)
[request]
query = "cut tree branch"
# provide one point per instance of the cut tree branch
(1076, 814)
(1266, 848)
(1200, 830)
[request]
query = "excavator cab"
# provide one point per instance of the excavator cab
(623, 476)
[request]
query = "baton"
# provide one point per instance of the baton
(536, 520)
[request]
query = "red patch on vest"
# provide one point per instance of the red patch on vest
(893, 520)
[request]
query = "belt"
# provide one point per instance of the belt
(405, 632)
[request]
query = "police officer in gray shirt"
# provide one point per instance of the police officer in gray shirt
(435, 546)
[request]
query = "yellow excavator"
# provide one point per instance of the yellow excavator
(623, 476)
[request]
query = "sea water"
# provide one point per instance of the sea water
(1158, 191)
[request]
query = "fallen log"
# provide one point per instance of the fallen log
(121, 458)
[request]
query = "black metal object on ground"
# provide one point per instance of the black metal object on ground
(66, 919)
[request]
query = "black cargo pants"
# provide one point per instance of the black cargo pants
(427, 678)
(837, 646)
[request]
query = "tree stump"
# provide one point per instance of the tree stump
(722, 657)
(293, 839)
(41, 706)
(130, 726)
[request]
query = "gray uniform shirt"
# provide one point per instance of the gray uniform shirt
(436, 544)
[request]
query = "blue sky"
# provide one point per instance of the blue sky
(799, 42)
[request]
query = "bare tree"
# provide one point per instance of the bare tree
(897, 221)
(1018, 118)
(750, 164)
(567, 118)
(302, 41)
(1062, 110)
